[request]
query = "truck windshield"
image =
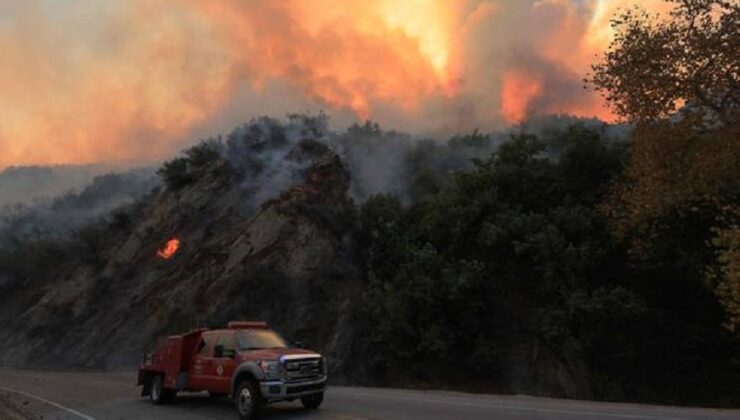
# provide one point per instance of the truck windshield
(259, 339)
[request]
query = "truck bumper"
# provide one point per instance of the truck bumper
(280, 390)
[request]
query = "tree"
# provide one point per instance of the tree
(678, 80)
(726, 274)
(509, 251)
(205, 157)
(686, 67)
(655, 66)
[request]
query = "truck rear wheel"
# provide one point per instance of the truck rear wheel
(247, 400)
(312, 401)
(158, 393)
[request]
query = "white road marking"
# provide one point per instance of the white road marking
(52, 403)
(521, 408)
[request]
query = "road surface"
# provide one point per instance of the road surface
(28, 394)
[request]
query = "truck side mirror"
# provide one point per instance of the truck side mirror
(218, 351)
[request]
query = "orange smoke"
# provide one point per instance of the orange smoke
(517, 93)
(66, 98)
(169, 249)
(129, 80)
(572, 34)
(523, 94)
(345, 54)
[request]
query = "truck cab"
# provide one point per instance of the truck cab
(247, 360)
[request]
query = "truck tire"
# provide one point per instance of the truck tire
(158, 393)
(312, 402)
(248, 400)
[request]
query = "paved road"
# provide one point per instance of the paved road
(98, 395)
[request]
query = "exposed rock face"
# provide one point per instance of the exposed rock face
(292, 263)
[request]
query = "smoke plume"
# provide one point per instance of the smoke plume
(132, 80)
(25, 184)
(59, 215)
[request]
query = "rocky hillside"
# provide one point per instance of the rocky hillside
(291, 261)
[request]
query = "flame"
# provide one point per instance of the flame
(169, 249)
(524, 93)
(518, 92)
(570, 35)
(345, 54)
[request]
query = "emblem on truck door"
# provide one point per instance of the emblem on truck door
(220, 370)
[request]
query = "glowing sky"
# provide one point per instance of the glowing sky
(134, 80)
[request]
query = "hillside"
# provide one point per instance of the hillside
(108, 305)
(478, 264)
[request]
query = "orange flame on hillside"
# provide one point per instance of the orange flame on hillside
(169, 249)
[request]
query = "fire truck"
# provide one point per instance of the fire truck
(246, 360)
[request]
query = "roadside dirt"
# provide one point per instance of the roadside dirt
(14, 409)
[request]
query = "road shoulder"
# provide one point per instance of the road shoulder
(13, 409)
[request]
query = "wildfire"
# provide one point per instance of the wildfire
(169, 249)
(517, 94)
(142, 74)
(348, 55)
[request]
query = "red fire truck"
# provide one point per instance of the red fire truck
(247, 360)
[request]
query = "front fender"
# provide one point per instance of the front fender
(250, 368)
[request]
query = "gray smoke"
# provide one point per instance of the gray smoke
(25, 184)
(270, 155)
(55, 217)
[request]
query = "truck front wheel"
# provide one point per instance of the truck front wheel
(247, 400)
(312, 401)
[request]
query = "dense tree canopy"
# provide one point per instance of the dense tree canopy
(655, 66)
(517, 251)
(677, 78)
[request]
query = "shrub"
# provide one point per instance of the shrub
(199, 160)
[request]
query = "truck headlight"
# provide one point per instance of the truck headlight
(271, 369)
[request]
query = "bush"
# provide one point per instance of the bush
(176, 174)
(201, 159)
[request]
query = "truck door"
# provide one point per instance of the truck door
(201, 370)
(224, 363)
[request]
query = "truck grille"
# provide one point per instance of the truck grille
(303, 369)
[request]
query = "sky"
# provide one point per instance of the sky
(134, 81)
